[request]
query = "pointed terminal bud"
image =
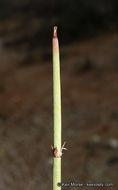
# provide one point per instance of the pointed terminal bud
(55, 42)
(55, 32)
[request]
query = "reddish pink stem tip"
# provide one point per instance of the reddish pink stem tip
(55, 31)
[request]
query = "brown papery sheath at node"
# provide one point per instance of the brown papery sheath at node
(55, 32)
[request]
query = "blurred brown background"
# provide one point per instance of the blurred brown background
(88, 34)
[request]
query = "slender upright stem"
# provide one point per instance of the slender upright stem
(56, 113)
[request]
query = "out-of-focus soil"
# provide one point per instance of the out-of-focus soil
(89, 76)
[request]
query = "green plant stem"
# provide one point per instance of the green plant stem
(56, 173)
(56, 111)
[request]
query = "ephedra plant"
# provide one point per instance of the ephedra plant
(57, 128)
